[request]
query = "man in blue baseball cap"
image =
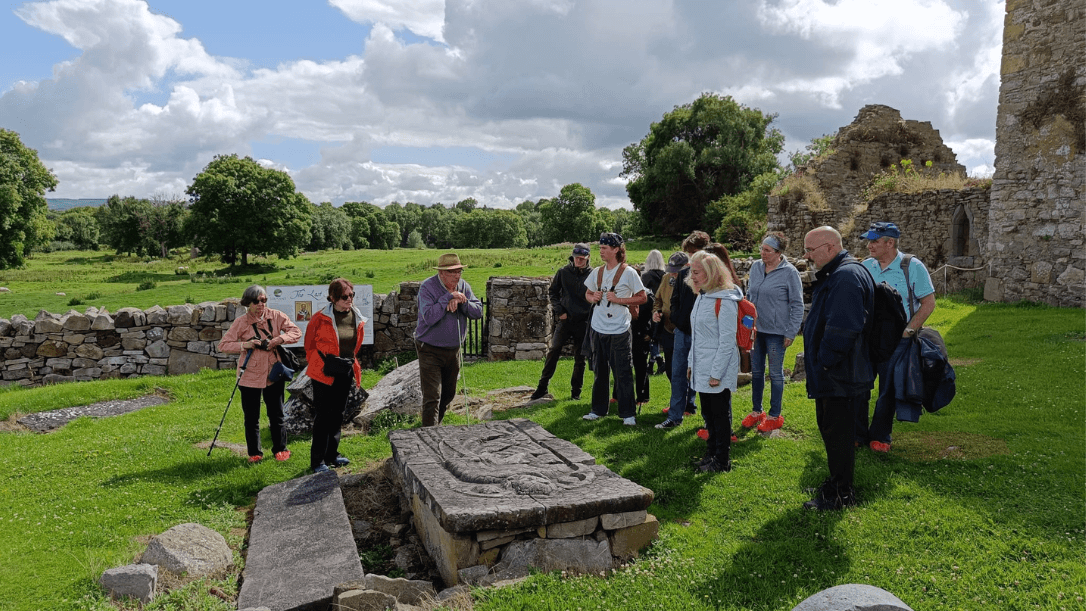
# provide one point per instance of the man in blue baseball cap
(911, 279)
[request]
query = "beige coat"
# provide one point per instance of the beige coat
(260, 363)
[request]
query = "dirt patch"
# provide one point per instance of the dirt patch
(947, 445)
(47, 422)
(963, 362)
(236, 448)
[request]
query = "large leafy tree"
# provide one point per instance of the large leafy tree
(80, 227)
(572, 216)
(240, 208)
(119, 221)
(370, 228)
(484, 228)
(23, 183)
(331, 228)
(694, 155)
(163, 227)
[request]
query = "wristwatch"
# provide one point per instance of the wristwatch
(910, 331)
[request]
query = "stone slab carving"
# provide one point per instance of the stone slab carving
(852, 597)
(507, 475)
(307, 517)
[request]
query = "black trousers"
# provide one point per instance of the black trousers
(640, 350)
(836, 418)
(716, 408)
(250, 406)
(329, 402)
(566, 331)
(612, 353)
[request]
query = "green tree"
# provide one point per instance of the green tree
(572, 216)
(163, 227)
(694, 155)
(467, 205)
(370, 228)
(80, 227)
(120, 220)
(739, 221)
(490, 229)
(23, 183)
(331, 228)
(240, 208)
(533, 222)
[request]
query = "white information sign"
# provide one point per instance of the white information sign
(301, 302)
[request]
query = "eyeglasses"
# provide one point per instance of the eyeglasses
(456, 272)
(808, 251)
(261, 300)
(347, 297)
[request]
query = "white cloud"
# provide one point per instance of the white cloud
(422, 17)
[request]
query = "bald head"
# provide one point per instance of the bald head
(821, 245)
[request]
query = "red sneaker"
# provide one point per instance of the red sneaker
(666, 410)
(703, 434)
(771, 424)
(878, 446)
(255, 459)
(281, 456)
(753, 419)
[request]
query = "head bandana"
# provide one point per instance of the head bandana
(611, 239)
(772, 242)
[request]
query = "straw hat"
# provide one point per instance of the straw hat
(448, 261)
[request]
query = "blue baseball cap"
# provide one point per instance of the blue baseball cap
(881, 230)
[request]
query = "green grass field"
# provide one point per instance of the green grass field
(980, 506)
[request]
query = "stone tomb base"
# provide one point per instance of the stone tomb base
(491, 500)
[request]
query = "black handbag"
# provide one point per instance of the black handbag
(287, 358)
(337, 366)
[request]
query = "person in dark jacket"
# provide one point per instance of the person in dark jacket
(571, 310)
(643, 328)
(682, 303)
(835, 354)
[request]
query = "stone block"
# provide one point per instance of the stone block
(155, 334)
(852, 597)
(75, 321)
(472, 575)
(153, 370)
(363, 600)
(158, 350)
(88, 372)
(102, 322)
(179, 314)
(126, 318)
(48, 324)
(89, 351)
(133, 344)
(51, 348)
(134, 580)
(74, 338)
(569, 530)
(408, 591)
(189, 548)
(198, 347)
(628, 542)
(305, 515)
(493, 543)
(82, 363)
(210, 334)
(449, 551)
(185, 362)
(183, 334)
(612, 521)
(574, 555)
(156, 315)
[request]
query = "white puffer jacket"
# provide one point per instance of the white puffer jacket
(713, 353)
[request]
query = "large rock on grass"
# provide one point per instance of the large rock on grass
(853, 597)
(189, 548)
(134, 580)
(399, 391)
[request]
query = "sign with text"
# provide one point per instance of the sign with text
(300, 303)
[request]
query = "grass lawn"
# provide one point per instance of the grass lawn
(980, 506)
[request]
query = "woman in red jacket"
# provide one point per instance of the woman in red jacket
(260, 330)
(337, 330)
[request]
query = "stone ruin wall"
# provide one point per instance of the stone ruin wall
(943, 227)
(1035, 242)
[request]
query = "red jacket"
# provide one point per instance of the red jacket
(321, 336)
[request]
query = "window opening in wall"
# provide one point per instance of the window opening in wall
(962, 232)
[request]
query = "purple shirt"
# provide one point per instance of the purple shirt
(438, 326)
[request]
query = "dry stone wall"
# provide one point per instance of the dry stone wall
(1035, 242)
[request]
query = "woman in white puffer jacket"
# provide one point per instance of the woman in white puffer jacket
(714, 358)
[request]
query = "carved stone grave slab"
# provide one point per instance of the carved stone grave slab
(467, 482)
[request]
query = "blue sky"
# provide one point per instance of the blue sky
(439, 100)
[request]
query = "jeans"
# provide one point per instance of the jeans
(565, 331)
(438, 370)
(882, 422)
(681, 393)
(250, 406)
(835, 423)
(328, 405)
(613, 352)
(767, 344)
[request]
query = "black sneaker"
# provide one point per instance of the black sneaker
(716, 466)
(575, 396)
(667, 424)
(827, 500)
(538, 394)
(691, 410)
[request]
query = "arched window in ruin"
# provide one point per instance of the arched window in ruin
(962, 232)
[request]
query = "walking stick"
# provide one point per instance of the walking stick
(217, 431)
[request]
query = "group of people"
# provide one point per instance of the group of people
(605, 311)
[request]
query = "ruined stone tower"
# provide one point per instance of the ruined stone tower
(1035, 229)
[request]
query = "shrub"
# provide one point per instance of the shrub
(74, 301)
(93, 296)
(801, 188)
(146, 285)
(907, 178)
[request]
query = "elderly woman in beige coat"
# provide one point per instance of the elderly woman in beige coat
(260, 331)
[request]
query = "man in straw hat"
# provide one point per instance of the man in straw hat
(445, 304)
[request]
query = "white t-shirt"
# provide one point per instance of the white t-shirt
(612, 318)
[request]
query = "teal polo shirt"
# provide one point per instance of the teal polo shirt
(892, 275)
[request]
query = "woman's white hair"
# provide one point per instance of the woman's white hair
(655, 260)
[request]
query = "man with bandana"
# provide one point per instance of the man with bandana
(613, 287)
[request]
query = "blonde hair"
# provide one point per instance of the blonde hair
(716, 275)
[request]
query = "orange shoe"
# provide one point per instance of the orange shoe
(878, 446)
(255, 459)
(703, 434)
(281, 456)
(771, 424)
(753, 419)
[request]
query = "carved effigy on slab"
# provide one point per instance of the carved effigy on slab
(472, 487)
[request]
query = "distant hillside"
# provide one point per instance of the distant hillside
(64, 204)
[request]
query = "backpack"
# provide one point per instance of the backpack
(746, 323)
(634, 310)
(887, 322)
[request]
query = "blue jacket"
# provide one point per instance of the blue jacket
(834, 342)
(713, 353)
(778, 297)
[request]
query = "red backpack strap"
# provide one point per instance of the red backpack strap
(718, 307)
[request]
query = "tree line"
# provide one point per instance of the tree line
(709, 164)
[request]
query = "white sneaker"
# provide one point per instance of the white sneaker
(591, 416)
(631, 421)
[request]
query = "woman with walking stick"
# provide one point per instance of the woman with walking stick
(332, 340)
(260, 330)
